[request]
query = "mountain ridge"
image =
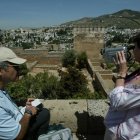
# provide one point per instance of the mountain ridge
(122, 19)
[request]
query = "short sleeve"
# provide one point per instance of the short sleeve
(9, 128)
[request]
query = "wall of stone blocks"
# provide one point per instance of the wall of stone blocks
(81, 116)
(90, 45)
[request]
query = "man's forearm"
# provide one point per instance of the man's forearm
(24, 126)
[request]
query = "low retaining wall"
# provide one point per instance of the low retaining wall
(81, 116)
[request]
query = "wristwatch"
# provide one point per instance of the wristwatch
(28, 112)
(120, 77)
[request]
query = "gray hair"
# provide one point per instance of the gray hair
(3, 65)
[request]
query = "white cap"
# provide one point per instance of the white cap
(7, 54)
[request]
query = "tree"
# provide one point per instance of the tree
(61, 32)
(74, 82)
(69, 58)
(82, 60)
(26, 45)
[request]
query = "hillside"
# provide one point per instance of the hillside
(121, 19)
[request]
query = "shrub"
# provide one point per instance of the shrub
(40, 86)
(73, 84)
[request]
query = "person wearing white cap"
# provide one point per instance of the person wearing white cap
(14, 123)
(8, 55)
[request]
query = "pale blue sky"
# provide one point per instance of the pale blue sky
(43, 13)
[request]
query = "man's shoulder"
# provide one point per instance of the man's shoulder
(3, 101)
(1, 94)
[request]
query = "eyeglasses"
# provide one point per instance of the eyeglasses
(21, 69)
(16, 67)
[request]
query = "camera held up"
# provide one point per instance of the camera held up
(109, 54)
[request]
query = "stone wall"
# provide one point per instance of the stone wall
(90, 45)
(103, 79)
(81, 116)
(42, 58)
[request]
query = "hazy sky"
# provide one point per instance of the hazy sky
(42, 13)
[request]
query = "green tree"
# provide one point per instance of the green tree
(74, 82)
(51, 88)
(82, 60)
(61, 32)
(69, 58)
(26, 45)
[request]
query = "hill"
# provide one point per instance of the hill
(121, 19)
